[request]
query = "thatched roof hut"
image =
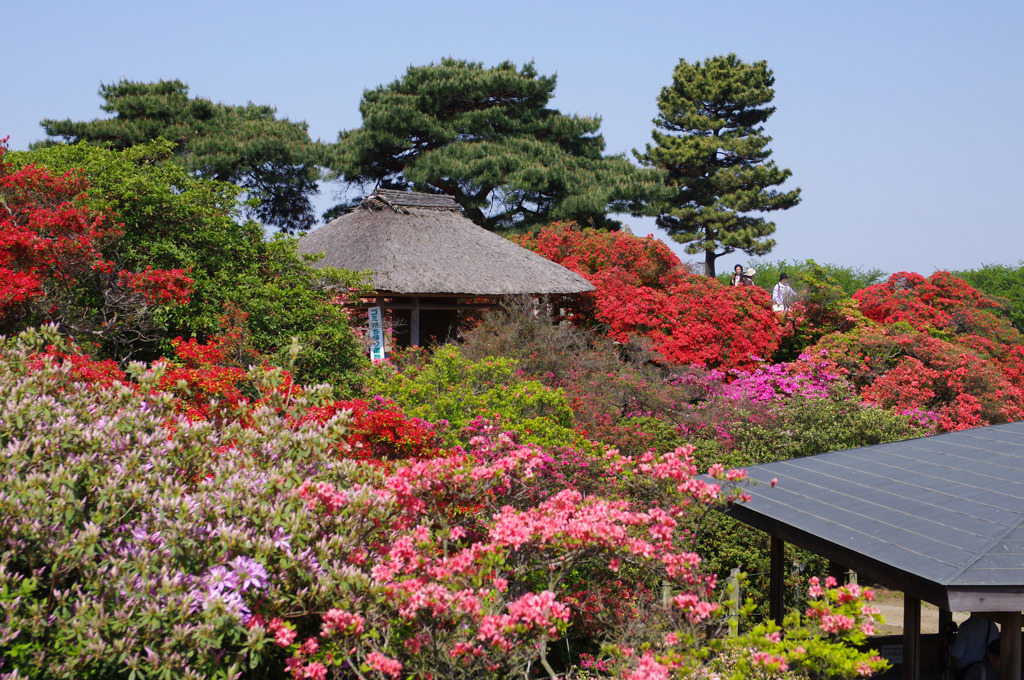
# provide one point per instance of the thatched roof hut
(421, 244)
(424, 255)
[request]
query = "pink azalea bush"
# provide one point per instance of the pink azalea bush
(137, 542)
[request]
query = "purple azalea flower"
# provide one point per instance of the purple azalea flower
(250, 573)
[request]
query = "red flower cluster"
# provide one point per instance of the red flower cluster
(381, 432)
(96, 375)
(51, 260)
(159, 285)
(642, 289)
(205, 379)
(941, 302)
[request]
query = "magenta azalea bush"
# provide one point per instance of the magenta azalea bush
(137, 543)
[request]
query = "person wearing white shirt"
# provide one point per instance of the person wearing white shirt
(782, 294)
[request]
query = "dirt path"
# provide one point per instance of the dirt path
(890, 602)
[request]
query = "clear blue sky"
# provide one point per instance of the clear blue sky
(901, 120)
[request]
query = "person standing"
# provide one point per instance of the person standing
(782, 294)
(987, 668)
(972, 640)
(737, 276)
(748, 277)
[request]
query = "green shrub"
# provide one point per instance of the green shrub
(1003, 284)
(446, 386)
(808, 426)
(849, 279)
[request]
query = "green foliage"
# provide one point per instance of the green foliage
(824, 307)
(808, 426)
(849, 279)
(449, 387)
(1004, 284)
(727, 544)
(486, 137)
(289, 302)
(709, 138)
(271, 159)
(174, 220)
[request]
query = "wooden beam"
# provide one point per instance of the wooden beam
(414, 323)
(776, 610)
(1009, 646)
(1010, 599)
(911, 638)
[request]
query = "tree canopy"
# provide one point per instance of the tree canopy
(486, 137)
(709, 138)
(170, 220)
(272, 159)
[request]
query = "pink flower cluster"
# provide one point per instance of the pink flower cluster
(340, 622)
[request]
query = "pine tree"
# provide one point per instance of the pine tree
(272, 159)
(709, 138)
(486, 137)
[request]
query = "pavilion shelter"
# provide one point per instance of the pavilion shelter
(428, 261)
(940, 518)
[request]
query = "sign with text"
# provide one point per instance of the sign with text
(376, 333)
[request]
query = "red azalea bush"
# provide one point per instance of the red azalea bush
(642, 289)
(941, 301)
(52, 268)
(899, 368)
(379, 432)
(210, 383)
(697, 321)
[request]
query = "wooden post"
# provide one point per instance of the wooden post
(1009, 647)
(414, 323)
(776, 587)
(911, 638)
(945, 619)
(734, 602)
(837, 571)
(945, 640)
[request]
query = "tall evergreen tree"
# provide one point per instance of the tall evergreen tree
(710, 140)
(272, 159)
(486, 137)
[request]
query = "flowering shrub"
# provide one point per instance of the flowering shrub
(808, 377)
(176, 222)
(117, 560)
(941, 302)
(643, 290)
(380, 432)
(52, 267)
(910, 371)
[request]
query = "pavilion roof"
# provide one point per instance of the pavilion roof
(939, 517)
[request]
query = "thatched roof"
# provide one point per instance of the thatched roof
(421, 244)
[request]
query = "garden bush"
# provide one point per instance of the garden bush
(1004, 285)
(170, 221)
(642, 290)
(138, 542)
(451, 391)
